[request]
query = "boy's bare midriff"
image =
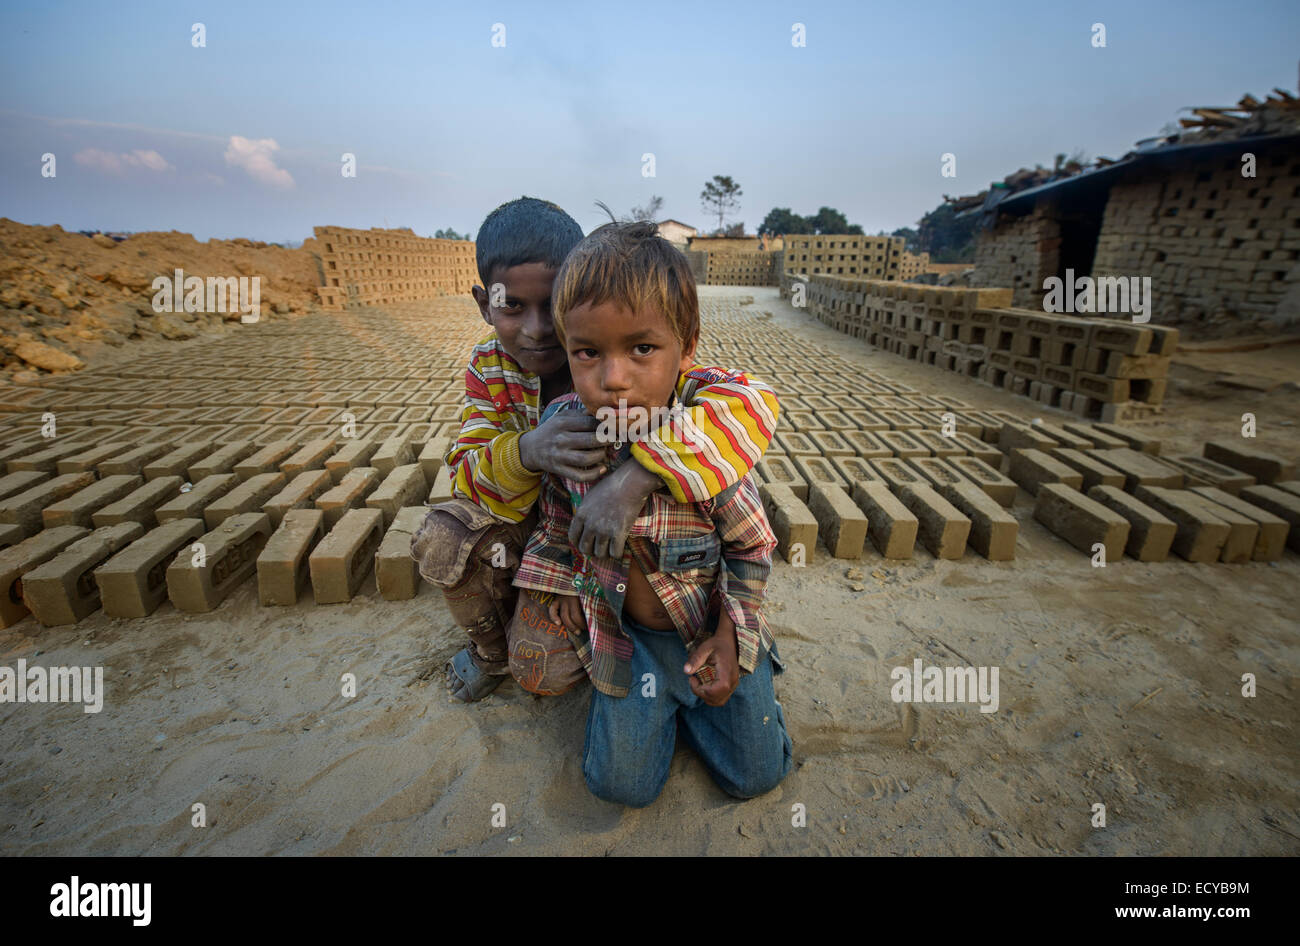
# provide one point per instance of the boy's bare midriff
(641, 603)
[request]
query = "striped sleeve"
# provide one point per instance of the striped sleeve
(724, 427)
(484, 460)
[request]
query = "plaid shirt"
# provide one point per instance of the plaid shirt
(699, 558)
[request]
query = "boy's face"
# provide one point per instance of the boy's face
(522, 316)
(616, 354)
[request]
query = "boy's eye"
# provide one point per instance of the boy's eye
(645, 348)
(583, 354)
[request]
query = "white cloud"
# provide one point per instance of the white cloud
(117, 163)
(258, 159)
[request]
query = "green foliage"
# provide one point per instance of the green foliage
(450, 234)
(782, 220)
(945, 238)
(910, 237)
(719, 197)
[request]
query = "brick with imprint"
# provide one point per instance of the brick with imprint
(20, 558)
(282, 569)
(199, 582)
(340, 563)
(63, 590)
(133, 583)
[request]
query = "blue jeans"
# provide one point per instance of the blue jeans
(630, 741)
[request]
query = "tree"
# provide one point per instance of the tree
(945, 238)
(449, 234)
(909, 236)
(782, 220)
(649, 212)
(735, 231)
(719, 197)
(830, 220)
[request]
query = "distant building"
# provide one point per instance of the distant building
(913, 265)
(676, 232)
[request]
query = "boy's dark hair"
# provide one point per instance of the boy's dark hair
(629, 264)
(526, 230)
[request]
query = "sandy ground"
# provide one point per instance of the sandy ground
(1118, 685)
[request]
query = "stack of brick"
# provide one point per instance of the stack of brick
(756, 268)
(1095, 368)
(844, 254)
(378, 267)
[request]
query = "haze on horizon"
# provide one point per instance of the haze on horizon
(244, 136)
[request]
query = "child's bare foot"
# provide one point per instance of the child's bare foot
(467, 682)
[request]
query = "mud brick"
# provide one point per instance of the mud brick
(1270, 538)
(1136, 366)
(902, 444)
(405, 486)
(266, 459)
(804, 422)
(795, 444)
(891, 527)
(1140, 469)
(996, 486)
(1116, 336)
(47, 460)
(24, 509)
(1032, 468)
(340, 563)
(247, 497)
(1016, 436)
(937, 444)
(1201, 534)
(866, 444)
(855, 470)
(397, 575)
(794, 526)
(818, 470)
(901, 420)
(1280, 503)
(190, 504)
(1164, 341)
(942, 529)
(836, 420)
(133, 583)
(133, 461)
(282, 570)
(1108, 390)
(896, 472)
(311, 456)
(139, 504)
(441, 491)
(63, 590)
(1267, 468)
(841, 524)
(431, 456)
(350, 493)
(1150, 534)
(221, 460)
(354, 453)
(866, 420)
(1243, 531)
(11, 484)
(993, 532)
(178, 461)
(1081, 521)
(1095, 473)
(972, 445)
(19, 559)
(1198, 471)
(830, 443)
(1095, 437)
(23, 447)
(77, 509)
(10, 536)
(1289, 486)
(992, 426)
(89, 459)
(230, 556)
(1135, 439)
(935, 471)
(299, 493)
(780, 471)
(392, 453)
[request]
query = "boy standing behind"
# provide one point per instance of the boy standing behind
(672, 629)
(470, 546)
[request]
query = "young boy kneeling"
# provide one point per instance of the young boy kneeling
(673, 629)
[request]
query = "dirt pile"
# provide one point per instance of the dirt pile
(65, 297)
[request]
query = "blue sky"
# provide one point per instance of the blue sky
(244, 136)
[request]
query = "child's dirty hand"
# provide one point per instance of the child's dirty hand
(720, 651)
(601, 524)
(565, 445)
(566, 610)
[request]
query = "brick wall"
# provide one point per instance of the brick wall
(1019, 252)
(376, 266)
(847, 255)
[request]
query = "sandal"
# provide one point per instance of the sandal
(467, 682)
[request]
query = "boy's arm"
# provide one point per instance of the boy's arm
(547, 562)
(730, 420)
(747, 546)
(484, 461)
